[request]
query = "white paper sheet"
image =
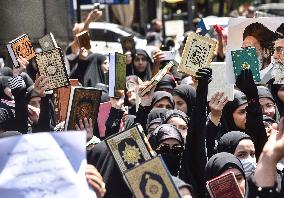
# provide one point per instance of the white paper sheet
(49, 165)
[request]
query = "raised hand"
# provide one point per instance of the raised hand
(95, 180)
(246, 84)
(83, 53)
(23, 65)
(216, 105)
(204, 76)
(86, 124)
(41, 85)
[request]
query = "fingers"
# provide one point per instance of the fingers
(77, 127)
(81, 125)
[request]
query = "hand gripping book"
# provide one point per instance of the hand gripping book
(246, 59)
(129, 148)
(197, 53)
(157, 78)
(21, 46)
(60, 100)
(224, 186)
(83, 103)
(117, 74)
(219, 82)
(48, 42)
(51, 64)
(151, 179)
(84, 40)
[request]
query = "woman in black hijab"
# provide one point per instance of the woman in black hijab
(162, 99)
(154, 119)
(141, 65)
(167, 84)
(277, 92)
(184, 97)
(222, 163)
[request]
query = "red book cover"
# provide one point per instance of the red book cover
(104, 110)
(224, 186)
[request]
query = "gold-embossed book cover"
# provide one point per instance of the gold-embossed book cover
(47, 42)
(129, 148)
(197, 53)
(84, 40)
(51, 64)
(151, 179)
(83, 103)
(21, 46)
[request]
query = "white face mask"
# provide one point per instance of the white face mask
(249, 165)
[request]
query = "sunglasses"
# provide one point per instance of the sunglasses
(166, 148)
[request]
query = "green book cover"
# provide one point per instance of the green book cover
(120, 71)
(246, 59)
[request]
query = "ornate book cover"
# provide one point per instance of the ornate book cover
(246, 59)
(21, 46)
(219, 82)
(129, 148)
(51, 64)
(151, 179)
(117, 74)
(197, 53)
(224, 186)
(47, 42)
(127, 43)
(83, 103)
(84, 40)
(157, 78)
(60, 100)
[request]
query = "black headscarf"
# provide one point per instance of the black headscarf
(280, 105)
(147, 74)
(230, 107)
(157, 113)
(188, 94)
(6, 71)
(159, 95)
(94, 73)
(229, 141)
(7, 116)
(264, 92)
(3, 85)
(221, 162)
(175, 113)
(129, 121)
(167, 82)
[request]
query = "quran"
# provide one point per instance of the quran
(129, 148)
(83, 103)
(117, 74)
(21, 46)
(84, 40)
(224, 186)
(51, 64)
(219, 82)
(198, 53)
(151, 179)
(246, 59)
(47, 42)
(60, 100)
(127, 43)
(157, 78)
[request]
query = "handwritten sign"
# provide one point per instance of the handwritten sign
(47, 165)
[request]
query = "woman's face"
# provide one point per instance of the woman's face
(239, 116)
(240, 178)
(280, 93)
(163, 103)
(245, 149)
(140, 63)
(180, 124)
(180, 104)
(105, 66)
(267, 106)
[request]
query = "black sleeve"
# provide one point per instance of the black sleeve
(254, 191)
(113, 121)
(194, 159)
(211, 137)
(142, 115)
(78, 72)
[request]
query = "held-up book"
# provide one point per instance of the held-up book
(103, 116)
(84, 40)
(127, 43)
(151, 179)
(21, 46)
(157, 78)
(224, 186)
(129, 148)
(246, 59)
(47, 42)
(117, 74)
(51, 64)
(60, 100)
(197, 53)
(219, 82)
(83, 103)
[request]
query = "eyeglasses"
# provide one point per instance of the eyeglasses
(166, 148)
(268, 106)
(279, 50)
